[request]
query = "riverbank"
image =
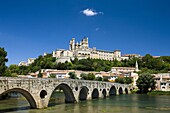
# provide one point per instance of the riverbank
(159, 93)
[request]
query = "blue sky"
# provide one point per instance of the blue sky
(28, 28)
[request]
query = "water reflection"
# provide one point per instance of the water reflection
(14, 104)
(57, 98)
(116, 104)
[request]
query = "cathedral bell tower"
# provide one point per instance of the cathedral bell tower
(72, 44)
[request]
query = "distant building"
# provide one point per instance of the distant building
(125, 72)
(118, 70)
(65, 73)
(162, 81)
(24, 63)
(31, 60)
(132, 55)
(63, 55)
(129, 56)
(82, 51)
(54, 72)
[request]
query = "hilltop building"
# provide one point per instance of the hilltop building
(83, 51)
(24, 63)
(129, 56)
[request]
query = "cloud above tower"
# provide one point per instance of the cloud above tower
(90, 12)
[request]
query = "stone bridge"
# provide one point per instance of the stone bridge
(38, 91)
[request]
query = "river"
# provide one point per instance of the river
(130, 103)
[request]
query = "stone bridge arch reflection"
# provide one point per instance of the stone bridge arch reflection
(69, 96)
(112, 91)
(95, 93)
(104, 93)
(126, 91)
(83, 93)
(120, 90)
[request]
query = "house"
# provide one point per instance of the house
(125, 72)
(162, 81)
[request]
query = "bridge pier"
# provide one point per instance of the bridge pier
(101, 93)
(89, 95)
(117, 92)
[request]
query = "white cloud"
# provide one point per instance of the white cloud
(90, 12)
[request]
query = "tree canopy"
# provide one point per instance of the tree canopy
(145, 82)
(3, 60)
(72, 75)
(146, 64)
(125, 80)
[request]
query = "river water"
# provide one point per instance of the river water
(130, 103)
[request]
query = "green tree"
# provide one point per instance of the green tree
(105, 79)
(23, 70)
(165, 58)
(120, 80)
(12, 70)
(72, 75)
(52, 76)
(146, 82)
(40, 74)
(125, 80)
(3, 60)
(91, 76)
(83, 76)
(128, 80)
(99, 79)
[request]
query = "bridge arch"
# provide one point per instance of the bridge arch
(26, 94)
(95, 93)
(69, 96)
(120, 90)
(126, 91)
(83, 93)
(104, 92)
(112, 91)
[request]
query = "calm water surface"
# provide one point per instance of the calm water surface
(131, 103)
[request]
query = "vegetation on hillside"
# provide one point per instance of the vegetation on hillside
(146, 64)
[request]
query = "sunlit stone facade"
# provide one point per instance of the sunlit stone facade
(82, 51)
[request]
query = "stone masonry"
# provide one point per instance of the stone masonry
(38, 91)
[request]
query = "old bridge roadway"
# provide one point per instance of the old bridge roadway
(38, 91)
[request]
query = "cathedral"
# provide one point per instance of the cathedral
(81, 50)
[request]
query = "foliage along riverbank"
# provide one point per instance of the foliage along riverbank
(135, 91)
(159, 93)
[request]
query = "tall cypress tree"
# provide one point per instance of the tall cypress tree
(3, 60)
